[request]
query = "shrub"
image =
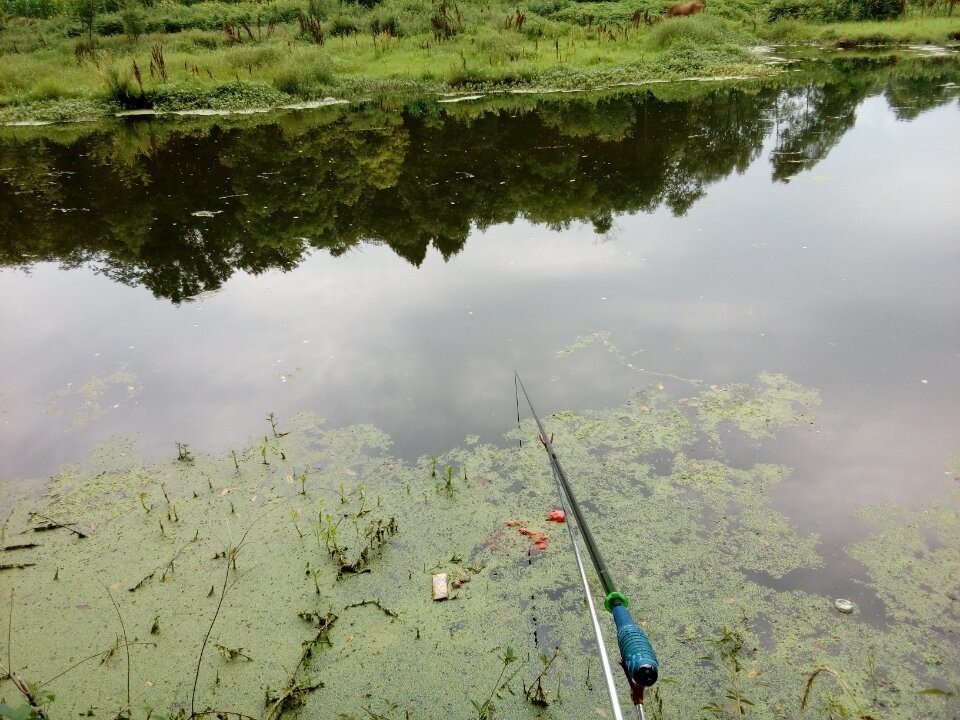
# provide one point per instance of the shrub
(30, 8)
(121, 89)
(500, 46)
(880, 9)
(252, 56)
(698, 30)
(381, 22)
(194, 96)
(792, 10)
(193, 40)
(686, 57)
(342, 26)
(547, 8)
(464, 77)
(828, 11)
(51, 89)
(111, 24)
(303, 74)
(134, 21)
(86, 11)
(534, 28)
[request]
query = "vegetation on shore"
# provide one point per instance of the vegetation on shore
(74, 59)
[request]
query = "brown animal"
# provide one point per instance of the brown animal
(686, 8)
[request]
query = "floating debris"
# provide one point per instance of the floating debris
(844, 605)
(440, 587)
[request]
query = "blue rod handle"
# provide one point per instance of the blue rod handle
(639, 659)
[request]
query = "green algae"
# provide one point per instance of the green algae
(758, 411)
(602, 338)
(95, 397)
(252, 555)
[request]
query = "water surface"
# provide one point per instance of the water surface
(394, 264)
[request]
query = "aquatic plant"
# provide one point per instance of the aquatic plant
(485, 710)
(295, 515)
(183, 452)
(535, 692)
(448, 480)
(701, 588)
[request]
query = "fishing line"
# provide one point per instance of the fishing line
(516, 392)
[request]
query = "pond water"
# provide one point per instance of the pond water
(391, 264)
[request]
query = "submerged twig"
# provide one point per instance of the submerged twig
(840, 681)
(21, 546)
(126, 643)
(232, 653)
(143, 582)
(10, 637)
(224, 714)
(293, 690)
(15, 566)
(29, 693)
(77, 664)
(230, 558)
(54, 525)
(376, 603)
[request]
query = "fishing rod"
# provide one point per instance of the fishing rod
(637, 657)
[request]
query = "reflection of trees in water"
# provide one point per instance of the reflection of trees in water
(915, 88)
(811, 119)
(180, 207)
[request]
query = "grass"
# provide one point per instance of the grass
(912, 30)
(242, 55)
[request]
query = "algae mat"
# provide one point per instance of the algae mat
(293, 577)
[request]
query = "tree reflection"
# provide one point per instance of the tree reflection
(179, 206)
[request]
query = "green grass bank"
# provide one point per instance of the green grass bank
(80, 59)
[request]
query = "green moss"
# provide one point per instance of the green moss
(756, 411)
(95, 397)
(686, 544)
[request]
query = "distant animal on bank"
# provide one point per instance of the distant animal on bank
(686, 8)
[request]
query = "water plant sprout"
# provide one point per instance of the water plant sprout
(637, 657)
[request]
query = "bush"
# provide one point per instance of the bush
(122, 89)
(698, 30)
(194, 96)
(829, 11)
(547, 8)
(342, 26)
(30, 8)
(51, 89)
(252, 56)
(111, 24)
(381, 22)
(466, 77)
(793, 10)
(599, 13)
(880, 9)
(134, 21)
(685, 57)
(534, 28)
(303, 74)
(500, 46)
(200, 40)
